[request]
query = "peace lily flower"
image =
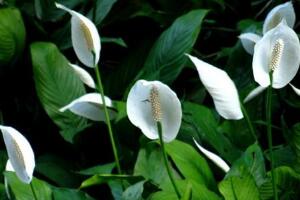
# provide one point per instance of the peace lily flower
(84, 76)
(150, 102)
(213, 157)
(85, 37)
(90, 106)
(281, 12)
(277, 53)
(20, 153)
(221, 88)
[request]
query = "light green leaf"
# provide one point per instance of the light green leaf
(134, 192)
(190, 163)
(241, 187)
(166, 58)
(104, 178)
(57, 85)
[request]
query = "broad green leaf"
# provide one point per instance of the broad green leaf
(104, 178)
(22, 191)
(12, 35)
(57, 85)
(118, 41)
(99, 169)
(163, 195)
(199, 191)
(57, 170)
(134, 192)
(251, 161)
(150, 165)
(240, 187)
(3, 195)
(190, 163)
(187, 195)
(202, 121)
(102, 9)
(69, 194)
(287, 181)
(166, 58)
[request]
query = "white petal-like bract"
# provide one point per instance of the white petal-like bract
(19, 152)
(214, 158)
(85, 37)
(90, 106)
(277, 14)
(256, 91)
(287, 60)
(140, 113)
(221, 88)
(296, 90)
(84, 76)
(249, 40)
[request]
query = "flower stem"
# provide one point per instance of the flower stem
(33, 192)
(269, 132)
(166, 160)
(111, 136)
(249, 123)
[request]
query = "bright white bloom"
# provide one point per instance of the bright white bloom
(19, 152)
(151, 101)
(277, 14)
(90, 106)
(277, 52)
(214, 158)
(254, 93)
(84, 76)
(221, 88)
(85, 37)
(249, 40)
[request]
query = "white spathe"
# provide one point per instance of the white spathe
(84, 76)
(296, 90)
(277, 14)
(248, 41)
(91, 107)
(221, 88)
(255, 92)
(139, 110)
(289, 59)
(19, 152)
(214, 158)
(85, 37)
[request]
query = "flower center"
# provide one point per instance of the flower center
(87, 35)
(276, 54)
(155, 104)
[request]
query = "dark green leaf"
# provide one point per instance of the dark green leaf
(166, 58)
(102, 9)
(57, 85)
(99, 169)
(69, 194)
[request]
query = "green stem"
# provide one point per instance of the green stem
(111, 136)
(269, 133)
(249, 123)
(33, 192)
(166, 160)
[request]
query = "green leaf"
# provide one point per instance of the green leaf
(190, 163)
(118, 41)
(103, 8)
(99, 169)
(287, 181)
(241, 187)
(163, 195)
(187, 195)
(22, 191)
(69, 194)
(12, 35)
(253, 162)
(134, 192)
(104, 178)
(150, 165)
(3, 195)
(202, 121)
(166, 58)
(57, 85)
